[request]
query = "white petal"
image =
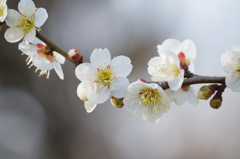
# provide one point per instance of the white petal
(59, 58)
(172, 45)
(40, 17)
(27, 49)
(97, 94)
(100, 58)
(132, 103)
(120, 87)
(189, 49)
(192, 98)
(13, 35)
(26, 7)
(84, 72)
(176, 83)
(5, 12)
(81, 90)
(12, 17)
(37, 41)
(153, 118)
(229, 61)
(58, 69)
(233, 81)
(191, 67)
(136, 86)
(89, 106)
(122, 66)
(42, 62)
(235, 46)
(30, 36)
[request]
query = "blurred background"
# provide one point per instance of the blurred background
(42, 118)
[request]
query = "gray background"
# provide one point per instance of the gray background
(42, 118)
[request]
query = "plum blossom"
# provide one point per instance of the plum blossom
(81, 92)
(147, 99)
(42, 57)
(166, 68)
(25, 23)
(231, 64)
(186, 93)
(3, 10)
(104, 76)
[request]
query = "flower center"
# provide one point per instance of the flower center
(168, 71)
(45, 51)
(1, 10)
(26, 23)
(150, 97)
(105, 77)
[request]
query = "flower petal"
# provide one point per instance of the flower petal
(84, 72)
(42, 63)
(26, 7)
(132, 103)
(13, 35)
(12, 17)
(41, 16)
(229, 60)
(192, 98)
(189, 49)
(5, 12)
(176, 83)
(97, 94)
(81, 90)
(233, 81)
(122, 66)
(29, 50)
(136, 86)
(191, 67)
(58, 69)
(235, 46)
(120, 87)
(59, 58)
(172, 45)
(100, 58)
(89, 106)
(148, 116)
(30, 36)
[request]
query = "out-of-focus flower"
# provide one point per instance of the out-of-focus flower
(231, 64)
(81, 92)
(166, 68)
(147, 99)
(3, 10)
(105, 76)
(186, 93)
(26, 23)
(42, 57)
(186, 51)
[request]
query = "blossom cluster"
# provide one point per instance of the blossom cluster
(106, 78)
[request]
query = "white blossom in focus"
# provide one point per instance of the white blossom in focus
(185, 93)
(81, 92)
(42, 57)
(3, 10)
(231, 64)
(25, 23)
(186, 51)
(104, 76)
(166, 68)
(147, 99)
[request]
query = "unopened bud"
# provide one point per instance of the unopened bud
(206, 92)
(216, 101)
(74, 55)
(117, 102)
(185, 88)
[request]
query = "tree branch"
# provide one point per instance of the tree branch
(195, 79)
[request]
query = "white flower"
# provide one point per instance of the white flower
(3, 10)
(105, 76)
(231, 64)
(147, 99)
(186, 51)
(81, 92)
(26, 23)
(166, 68)
(41, 56)
(186, 93)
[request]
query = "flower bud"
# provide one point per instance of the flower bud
(185, 88)
(205, 92)
(216, 101)
(74, 55)
(117, 102)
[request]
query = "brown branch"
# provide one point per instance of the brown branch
(195, 79)
(53, 46)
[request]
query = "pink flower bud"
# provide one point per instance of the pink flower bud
(74, 55)
(181, 57)
(117, 102)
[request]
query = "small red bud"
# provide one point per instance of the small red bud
(142, 80)
(181, 57)
(74, 55)
(185, 88)
(216, 101)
